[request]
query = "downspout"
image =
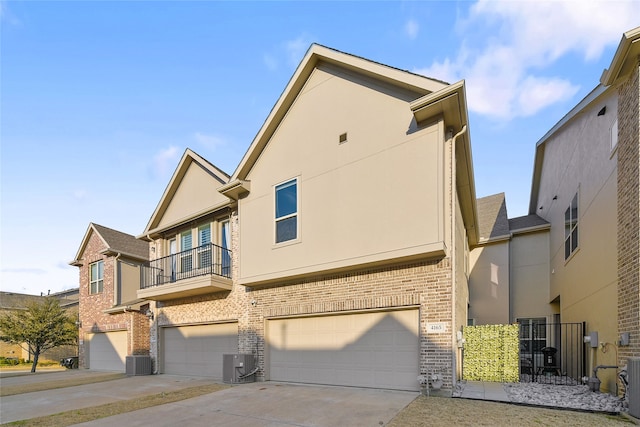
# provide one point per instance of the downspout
(454, 341)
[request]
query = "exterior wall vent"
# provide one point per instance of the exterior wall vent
(238, 368)
(633, 389)
(342, 138)
(138, 364)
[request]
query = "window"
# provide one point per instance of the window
(204, 246)
(186, 257)
(287, 211)
(225, 243)
(571, 228)
(533, 334)
(614, 135)
(97, 277)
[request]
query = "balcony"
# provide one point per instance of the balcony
(202, 270)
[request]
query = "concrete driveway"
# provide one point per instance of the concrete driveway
(256, 404)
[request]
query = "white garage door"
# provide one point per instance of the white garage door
(197, 350)
(108, 351)
(374, 349)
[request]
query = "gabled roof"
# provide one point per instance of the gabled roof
(433, 98)
(115, 242)
(313, 57)
(493, 223)
(187, 159)
(625, 58)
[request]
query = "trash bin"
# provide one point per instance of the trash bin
(550, 366)
(70, 362)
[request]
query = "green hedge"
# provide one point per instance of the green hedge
(491, 353)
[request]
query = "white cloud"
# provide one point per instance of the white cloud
(6, 15)
(80, 194)
(297, 48)
(210, 142)
(507, 45)
(411, 29)
(270, 61)
(165, 161)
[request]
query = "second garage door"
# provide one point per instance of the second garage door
(372, 349)
(107, 351)
(197, 350)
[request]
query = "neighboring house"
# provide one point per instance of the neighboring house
(11, 301)
(585, 192)
(112, 320)
(509, 268)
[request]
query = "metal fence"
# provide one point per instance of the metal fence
(552, 353)
(204, 260)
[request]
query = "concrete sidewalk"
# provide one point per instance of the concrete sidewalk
(48, 402)
(482, 390)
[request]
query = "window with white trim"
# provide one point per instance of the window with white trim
(571, 228)
(204, 246)
(286, 211)
(186, 257)
(614, 135)
(96, 277)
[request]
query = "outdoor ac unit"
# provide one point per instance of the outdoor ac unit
(633, 390)
(138, 364)
(238, 368)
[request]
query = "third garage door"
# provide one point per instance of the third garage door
(371, 349)
(197, 350)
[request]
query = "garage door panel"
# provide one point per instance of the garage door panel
(379, 349)
(108, 351)
(197, 350)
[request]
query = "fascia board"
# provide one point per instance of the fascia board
(188, 157)
(624, 59)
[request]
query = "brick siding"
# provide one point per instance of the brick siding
(629, 213)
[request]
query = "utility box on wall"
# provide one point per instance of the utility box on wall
(238, 368)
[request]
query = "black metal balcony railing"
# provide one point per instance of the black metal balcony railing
(204, 260)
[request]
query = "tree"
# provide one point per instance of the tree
(41, 326)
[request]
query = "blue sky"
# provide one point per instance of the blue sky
(100, 99)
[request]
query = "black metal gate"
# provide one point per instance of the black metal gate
(552, 353)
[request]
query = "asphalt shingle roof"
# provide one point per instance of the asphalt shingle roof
(123, 242)
(527, 221)
(492, 217)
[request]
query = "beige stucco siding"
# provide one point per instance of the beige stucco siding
(128, 281)
(489, 284)
(578, 159)
(377, 196)
(196, 193)
(529, 261)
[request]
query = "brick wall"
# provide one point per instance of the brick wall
(427, 285)
(629, 213)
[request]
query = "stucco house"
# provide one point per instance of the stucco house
(580, 260)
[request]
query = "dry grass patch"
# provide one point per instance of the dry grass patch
(437, 411)
(77, 416)
(58, 383)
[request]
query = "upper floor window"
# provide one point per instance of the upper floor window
(614, 135)
(204, 247)
(96, 273)
(287, 211)
(571, 228)
(186, 257)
